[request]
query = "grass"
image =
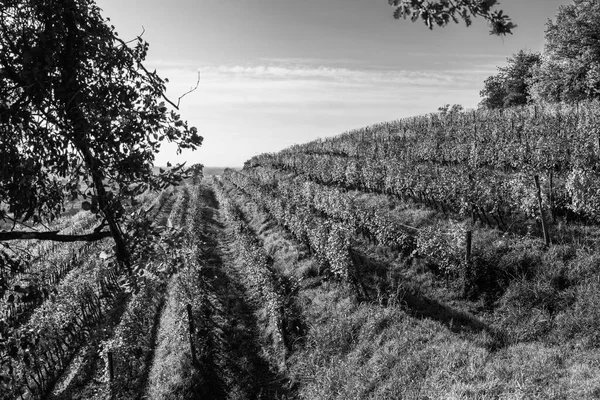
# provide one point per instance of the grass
(521, 323)
(364, 351)
(172, 375)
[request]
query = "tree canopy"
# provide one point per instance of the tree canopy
(80, 116)
(510, 87)
(442, 12)
(570, 68)
(450, 109)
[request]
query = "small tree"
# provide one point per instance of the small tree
(451, 110)
(510, 87)
(80, 116)
(570, 68)
(442, 12)
(493, 92)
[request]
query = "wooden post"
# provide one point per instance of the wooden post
(191, 332)
(111, 370)
(552, 211)
(469, 241)
(539, 196)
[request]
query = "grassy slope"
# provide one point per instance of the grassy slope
(418, 337)
(415, 336)
(86, 376)
(233, 359)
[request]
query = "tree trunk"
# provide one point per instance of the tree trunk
(122, 252)
(70, 99)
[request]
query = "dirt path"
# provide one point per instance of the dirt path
(234, 363)
(238, 368)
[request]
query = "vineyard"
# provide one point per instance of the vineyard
(453, 255)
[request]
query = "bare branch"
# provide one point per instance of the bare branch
(189, 91)
(154, 76)
(15, 222)
(54, 236)
(176, 106)
(136, 38)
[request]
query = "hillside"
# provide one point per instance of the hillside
(341, 269)
(389, 210)
(452, 255)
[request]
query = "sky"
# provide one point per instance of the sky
(274, 73)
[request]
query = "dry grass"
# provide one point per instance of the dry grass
(528, 329)
(172, 375)
(363, 351)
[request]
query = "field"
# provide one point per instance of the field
(428, 258)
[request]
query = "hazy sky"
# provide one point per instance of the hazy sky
(278, 72)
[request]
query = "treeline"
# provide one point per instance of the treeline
(567, 71)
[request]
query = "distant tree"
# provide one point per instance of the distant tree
(442, 12)
(510, 87)
(570, 68)
(493, 92)
(80, 117)
(448, 109)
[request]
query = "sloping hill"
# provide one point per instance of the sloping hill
(482, 223)
(405, 260)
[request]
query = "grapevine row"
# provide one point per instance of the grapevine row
(257, 265)
(329, 240)
(536, 137)
(39, 350)
(40, 280)
(132, 343)
(172, 353)
(492, 196)
(442, 246)
(375, 223)
(475, 163)
(34, 355)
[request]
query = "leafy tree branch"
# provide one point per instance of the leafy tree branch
(442, 12)
(80, 117)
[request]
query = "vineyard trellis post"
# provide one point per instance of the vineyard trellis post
(191, 335)
(468, 244)
(111, 370)
(541, 211)
(551, 198)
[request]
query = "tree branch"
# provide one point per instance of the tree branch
(164, 96)
(53, 235)
(155, 76)
(15, 221)
(136, 38)
(186, 93)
